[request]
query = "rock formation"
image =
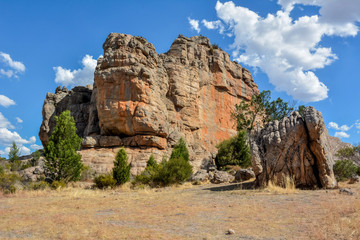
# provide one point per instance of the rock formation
(77, 101)
(297, 146)
(336, 144)
(146, 101)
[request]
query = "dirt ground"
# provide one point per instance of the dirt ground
(184, 212)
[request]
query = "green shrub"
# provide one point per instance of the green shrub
(176, 170)
(180, 150)
(35, 158)
(143, 178)
(18, 165)
(25, 166)
(234, 151)
(346, 152)
(38, 185)
(147, 176)
(152, 162)
(12, 189)
(8, 181)
(15, 165)
(121, 170)
(105, 181)
(2, 171)
(344, 169)
(215, 46)
(58, 184)
(87, 173)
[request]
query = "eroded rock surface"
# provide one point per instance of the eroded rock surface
(77, 100)
(145, 101)
(296, 147)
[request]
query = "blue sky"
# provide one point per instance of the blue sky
(308, 53)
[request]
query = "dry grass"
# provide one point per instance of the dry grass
(180, 212)
(289, 187)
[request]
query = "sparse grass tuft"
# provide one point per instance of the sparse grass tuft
(287, 188)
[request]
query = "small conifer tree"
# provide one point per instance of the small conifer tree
(14, 153)
(62, 162)
(152, 162)
(121, 170)
(180, 151)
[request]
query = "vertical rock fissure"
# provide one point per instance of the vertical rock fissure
(315, 165)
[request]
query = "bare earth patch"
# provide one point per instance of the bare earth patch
(185, 212)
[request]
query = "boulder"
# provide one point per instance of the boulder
(32, 174)
(222, 177)
(295, 147)
(244, 175)
(201, 176)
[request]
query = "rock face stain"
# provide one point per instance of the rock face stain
(146, 101)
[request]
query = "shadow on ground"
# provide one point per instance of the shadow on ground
(237, 186)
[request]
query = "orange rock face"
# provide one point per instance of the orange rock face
(188, 92)
(150, 100)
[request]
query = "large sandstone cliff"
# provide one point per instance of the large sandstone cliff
(146, 101)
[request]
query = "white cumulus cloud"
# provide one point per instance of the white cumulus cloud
(214, 25)
(340, 14)
(288, 50)
(194, 24)
(8, 73)
(36, 147)
(336, 126)
(5, 101)
(357, 125)
(7, 137)
(82, 76)
(342, 135)
(24, 150)
(4, 123)
(32, 139)
(15, 66)
(19, 120)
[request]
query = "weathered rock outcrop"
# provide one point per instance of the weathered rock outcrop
(77, 100)
(297, 146)
(146, 101)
